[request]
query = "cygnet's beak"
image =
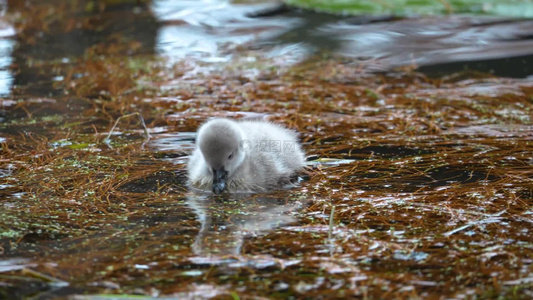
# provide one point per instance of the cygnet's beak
(219, 180)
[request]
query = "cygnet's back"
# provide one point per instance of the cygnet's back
(266, 156)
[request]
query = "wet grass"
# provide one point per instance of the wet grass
(417, 187)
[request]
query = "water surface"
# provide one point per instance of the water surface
(416, 186)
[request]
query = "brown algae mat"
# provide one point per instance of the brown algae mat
(430, 182)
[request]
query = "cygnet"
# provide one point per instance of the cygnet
(244, 156)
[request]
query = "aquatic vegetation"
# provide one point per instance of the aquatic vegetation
(517, 8)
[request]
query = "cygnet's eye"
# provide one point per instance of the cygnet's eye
(230, 156)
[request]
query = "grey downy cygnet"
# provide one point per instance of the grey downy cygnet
(243, 156)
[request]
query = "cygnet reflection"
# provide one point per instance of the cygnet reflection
(226, 223)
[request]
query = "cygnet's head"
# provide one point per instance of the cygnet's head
(219, 141)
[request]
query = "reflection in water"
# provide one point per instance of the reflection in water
(225, 223)
(204, 29)
(6, 78)
(6, 48)
(172, 141)
(429, 41)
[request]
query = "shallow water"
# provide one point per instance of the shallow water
(415, 186)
